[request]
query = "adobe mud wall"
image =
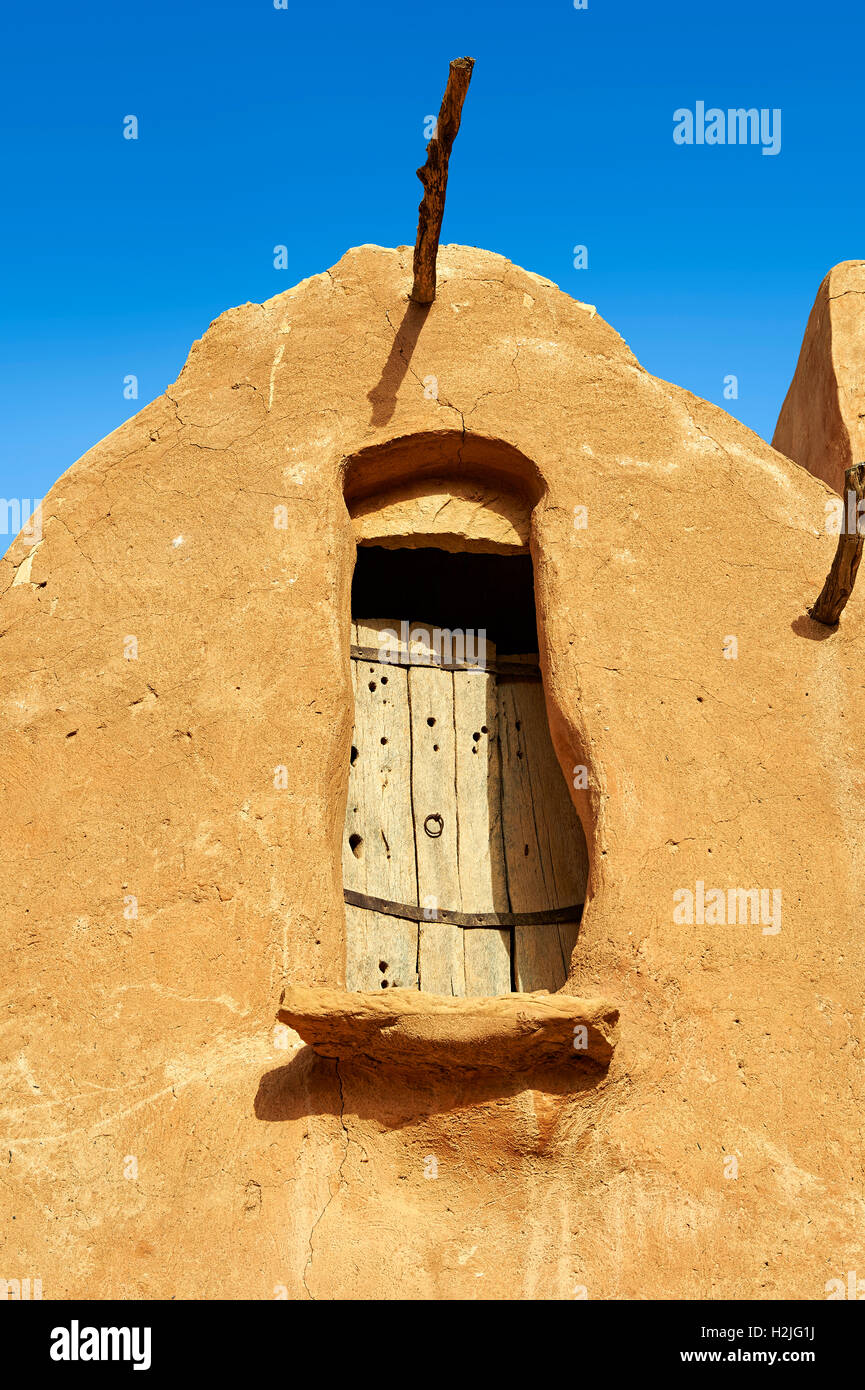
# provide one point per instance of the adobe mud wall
(178, 638)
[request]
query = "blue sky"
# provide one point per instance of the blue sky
(304, 127)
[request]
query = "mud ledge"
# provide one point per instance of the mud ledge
(405, 1028)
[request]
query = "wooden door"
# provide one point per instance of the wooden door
(378, 847)
(545, 849)
(457, 807)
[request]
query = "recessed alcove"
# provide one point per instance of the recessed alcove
(465, 865)
(452, 591)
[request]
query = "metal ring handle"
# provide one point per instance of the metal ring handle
(434, 834)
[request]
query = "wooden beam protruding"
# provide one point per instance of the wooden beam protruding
(434, 177)
(842, 576)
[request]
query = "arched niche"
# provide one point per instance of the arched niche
(465, 865)
(454, 514)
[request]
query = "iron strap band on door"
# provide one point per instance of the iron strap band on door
(467, 920)
(530, 669)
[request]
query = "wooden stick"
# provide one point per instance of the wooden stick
(434, 177)
(842, 575)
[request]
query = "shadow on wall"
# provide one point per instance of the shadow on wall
(807, 627)
(383, 396)
(314, 1085)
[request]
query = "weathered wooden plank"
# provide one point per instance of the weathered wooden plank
(483, 885)
(441, 963)
(378, 853)
(508, 838)
(845, 564)
(545, 850)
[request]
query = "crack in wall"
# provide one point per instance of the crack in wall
(337, 1189)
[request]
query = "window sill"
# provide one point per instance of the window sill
(408, 1029)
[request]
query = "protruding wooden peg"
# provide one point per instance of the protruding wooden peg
(434, 177)
(842, 576)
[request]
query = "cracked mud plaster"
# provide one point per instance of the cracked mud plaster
(337, 1187)
(153, 1035)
